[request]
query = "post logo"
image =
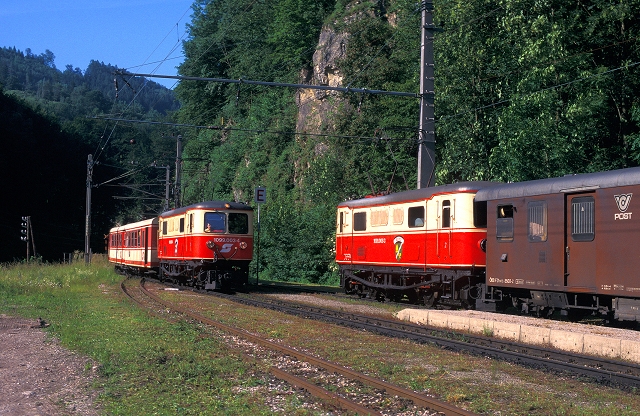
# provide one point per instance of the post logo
(623, 201)
(397, 244)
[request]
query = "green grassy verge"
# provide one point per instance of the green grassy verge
(147, 365)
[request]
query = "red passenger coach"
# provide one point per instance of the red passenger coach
(208, 245)
(133, 247)
(426, 244)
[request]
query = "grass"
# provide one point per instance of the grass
(146, 365)
(152, 366)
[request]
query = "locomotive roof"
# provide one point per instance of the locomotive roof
(217, 205)
(563, 184)
(417, 194)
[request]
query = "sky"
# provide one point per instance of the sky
(143, 36)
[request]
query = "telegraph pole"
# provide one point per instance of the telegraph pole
(87, 221)
(427, 130)
(178, 173)
(166, 188)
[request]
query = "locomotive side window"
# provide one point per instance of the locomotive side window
(181, 225)
(238, 223)
(537, 218)
(416, 217)
(360, 221)
(446, 213)
(504, 223)
(379, 217)
(341, 224)
(583, 219)
(214, 222)
(164, 227)
(398, 216)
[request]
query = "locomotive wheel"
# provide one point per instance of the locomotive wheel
(429, 299)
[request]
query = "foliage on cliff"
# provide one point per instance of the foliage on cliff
(523, 91)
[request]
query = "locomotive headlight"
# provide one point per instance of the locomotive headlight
(210, 244)
(482, 244)
(243, 245)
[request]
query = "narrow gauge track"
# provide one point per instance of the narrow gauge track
(418, 399)
(612, 372)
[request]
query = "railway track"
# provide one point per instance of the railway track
(150, 301)
(612, 372)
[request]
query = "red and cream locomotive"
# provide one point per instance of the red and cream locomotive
(426, 244)
(207, 245)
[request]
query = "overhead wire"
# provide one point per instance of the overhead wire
(541, 90)
(223, 129)
(101, 146)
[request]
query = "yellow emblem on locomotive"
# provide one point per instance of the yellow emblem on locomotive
(397, 243)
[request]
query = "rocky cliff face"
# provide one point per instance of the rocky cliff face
(316, 106)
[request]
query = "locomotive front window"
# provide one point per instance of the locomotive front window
(479, 214)
(416, 217)
(214, 222)
(238, 223)
(504, 223)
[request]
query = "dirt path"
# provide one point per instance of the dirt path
(38, 376)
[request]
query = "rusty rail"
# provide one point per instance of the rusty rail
(417, 398)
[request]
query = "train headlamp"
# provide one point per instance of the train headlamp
(210, 244)
(243, 245)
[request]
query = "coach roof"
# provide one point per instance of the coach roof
(563, 184)
(213, 205)
(417, 194)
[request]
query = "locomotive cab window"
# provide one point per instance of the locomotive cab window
(480, 214)
(238, 223)
(446, 213)
(583, 219)
(504, 223)
(214, 222)
(360, 221)
(537, 219)
(416, 217)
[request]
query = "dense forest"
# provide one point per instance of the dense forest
(522, 91)
(48, 130)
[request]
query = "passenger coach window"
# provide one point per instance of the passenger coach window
(238, 223)
(583, 219)
(504, 223)
(214, 222)
(537, 218)
(416, 217)
(360, 221)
